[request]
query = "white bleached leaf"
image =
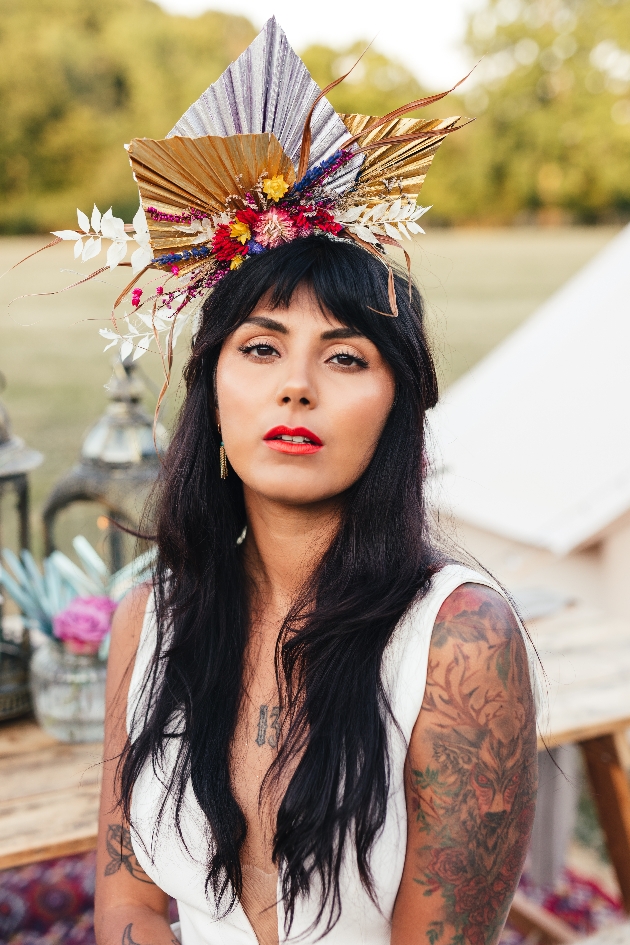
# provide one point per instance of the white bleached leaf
(204, 237)
(125, 349)
(414, 228)
(140, 258)
(141, 348)
(194, 227)
(391, 231)
(113, 228)
(78, 248)
(84, 221)
(112, 336)
(420, 212)
(96, 219)
(140, 223)
(145, 319)
(351, 214)
(378, 211)
(91, 249)
(403, 229)
(364, 234)
(67, 234)
(116, 253)
(179, 325)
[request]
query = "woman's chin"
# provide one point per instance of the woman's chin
(293, 490)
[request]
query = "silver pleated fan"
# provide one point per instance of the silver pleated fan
(269, 89)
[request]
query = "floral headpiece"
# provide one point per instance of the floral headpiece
(260, 159)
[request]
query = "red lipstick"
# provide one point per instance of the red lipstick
(297, 441)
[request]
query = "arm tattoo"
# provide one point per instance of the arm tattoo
(120, 850)
(269, 718)
(474, 801)
(128, 939)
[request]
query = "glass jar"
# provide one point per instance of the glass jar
(68, 693)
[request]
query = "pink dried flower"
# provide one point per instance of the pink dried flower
(160, 290)
(175, 270)
(84, 623)
(274, 227)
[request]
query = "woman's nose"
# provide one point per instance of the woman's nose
(297, 388)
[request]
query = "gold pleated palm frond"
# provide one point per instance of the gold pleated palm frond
(208, 174)
(399, 168)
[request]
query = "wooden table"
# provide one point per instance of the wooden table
(49, 792)
(586, 658)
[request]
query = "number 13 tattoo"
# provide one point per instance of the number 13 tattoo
(269, 718)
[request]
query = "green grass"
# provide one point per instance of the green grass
(479, 284)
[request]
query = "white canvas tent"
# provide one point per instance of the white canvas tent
(534, 442)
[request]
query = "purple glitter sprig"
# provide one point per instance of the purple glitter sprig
(186, 217)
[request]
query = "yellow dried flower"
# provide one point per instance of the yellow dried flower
(241, 232)
(237, 261)
(275, 187)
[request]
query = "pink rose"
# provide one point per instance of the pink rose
(84, 623)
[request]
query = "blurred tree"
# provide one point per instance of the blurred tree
(80, 77)
(375, 86)
(552, 96)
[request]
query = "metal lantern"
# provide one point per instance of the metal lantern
(16, 462)
(118, 463)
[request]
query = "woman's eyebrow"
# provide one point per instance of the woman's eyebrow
(269, 323)
(341, 333)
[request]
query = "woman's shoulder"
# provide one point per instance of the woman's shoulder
(127, 626)
(472, 612)
(458, 602)
(129, 617)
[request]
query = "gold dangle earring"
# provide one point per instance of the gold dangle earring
(223, 466)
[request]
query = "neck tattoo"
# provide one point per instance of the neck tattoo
(268, 726)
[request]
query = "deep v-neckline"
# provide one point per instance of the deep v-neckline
(267, 939)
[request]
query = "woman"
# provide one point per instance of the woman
(328, 733)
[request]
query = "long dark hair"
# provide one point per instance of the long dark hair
(329, 653)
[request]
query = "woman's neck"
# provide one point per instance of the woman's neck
(284, 545)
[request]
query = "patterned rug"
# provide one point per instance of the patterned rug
(580, 902)
(52, 903)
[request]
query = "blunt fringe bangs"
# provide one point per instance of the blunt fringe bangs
(329, 653)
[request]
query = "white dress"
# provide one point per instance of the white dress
(181, 872)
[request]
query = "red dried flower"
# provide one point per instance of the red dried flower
(247, 216)
(325, 221)
(224, 247)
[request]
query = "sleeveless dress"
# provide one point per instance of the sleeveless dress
(179, 867)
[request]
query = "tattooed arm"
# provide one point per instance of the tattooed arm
(471, 778)
(129, 908)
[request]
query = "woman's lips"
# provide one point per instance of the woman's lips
(296, 441)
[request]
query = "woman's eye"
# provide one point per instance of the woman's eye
(259, 351)
(345, 359)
